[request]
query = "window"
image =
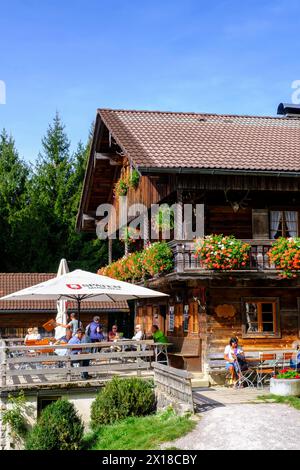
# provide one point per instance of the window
(45, 401)
(186, 315)
(283, 224)
(171, 318)
(261, 317)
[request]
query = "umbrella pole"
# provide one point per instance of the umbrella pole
(78, 311)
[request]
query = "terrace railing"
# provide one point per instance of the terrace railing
(23, 366)
(185, 260)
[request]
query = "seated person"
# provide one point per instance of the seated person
(36, 333)
(231, 353)
(113, 335)
(29, 335)
(158, 335)
(32, 335)
(295, 360)
(139, 334)
(66, 338)
(63, 340)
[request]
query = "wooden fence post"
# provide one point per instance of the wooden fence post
(69, 368)
(3, 363)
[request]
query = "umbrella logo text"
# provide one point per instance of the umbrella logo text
(74, 286)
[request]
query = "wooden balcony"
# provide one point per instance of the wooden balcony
(185, 260)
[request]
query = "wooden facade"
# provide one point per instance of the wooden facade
(208, 308)
(16, 323)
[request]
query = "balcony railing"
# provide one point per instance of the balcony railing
(185, 260)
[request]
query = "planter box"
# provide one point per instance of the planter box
(285, 387)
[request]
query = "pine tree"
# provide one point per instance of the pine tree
(13, 182)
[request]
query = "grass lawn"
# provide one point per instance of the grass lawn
(292, 401)
(144, 433)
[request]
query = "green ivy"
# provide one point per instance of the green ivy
(15, 416)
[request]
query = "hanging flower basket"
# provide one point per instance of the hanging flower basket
(164, 218)
(134, 179)
(222, 253)
(121, 187)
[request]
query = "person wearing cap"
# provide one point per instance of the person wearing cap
(80, 338)
(95, 330)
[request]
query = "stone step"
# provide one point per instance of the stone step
(200, 382)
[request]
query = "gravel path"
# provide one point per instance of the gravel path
(245, 427)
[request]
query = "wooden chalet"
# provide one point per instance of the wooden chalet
(17, 317)
(244, 171)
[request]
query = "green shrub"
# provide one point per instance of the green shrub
(58, 428)
(121, 398)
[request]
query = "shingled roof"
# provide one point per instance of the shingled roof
(12, 282)
(153, 139)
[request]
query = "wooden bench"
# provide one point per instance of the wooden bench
(185, 353)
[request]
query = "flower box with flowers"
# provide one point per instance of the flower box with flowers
(221, 252)
(154, 260)
(285, 254)
(286, 383)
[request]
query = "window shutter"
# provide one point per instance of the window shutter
(260, 224)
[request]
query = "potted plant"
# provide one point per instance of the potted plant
(286, 383)
(285, 254)
(164, 218)
(134, 179)
(121, 187)
(221, 252)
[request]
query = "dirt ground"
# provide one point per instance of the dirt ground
(254, 426)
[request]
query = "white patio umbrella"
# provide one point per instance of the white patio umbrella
(81, 286)
(61, 316)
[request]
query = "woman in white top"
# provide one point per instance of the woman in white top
(230, 355)
(138, 333)
(32, 334)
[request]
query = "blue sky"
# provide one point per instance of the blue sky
(223, 56)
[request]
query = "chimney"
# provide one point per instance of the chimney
(289, 110)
